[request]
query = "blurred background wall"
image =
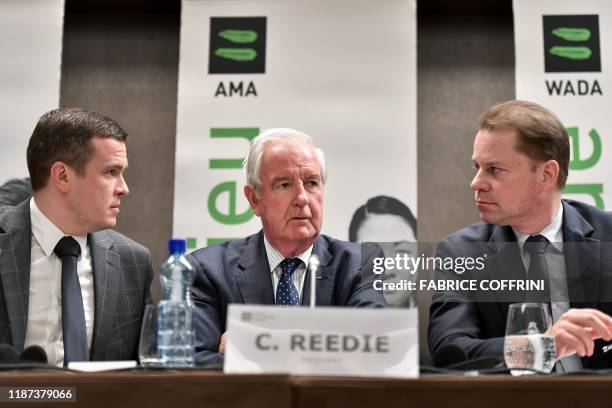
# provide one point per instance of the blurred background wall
(121, 58)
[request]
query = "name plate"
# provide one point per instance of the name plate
(322, 341)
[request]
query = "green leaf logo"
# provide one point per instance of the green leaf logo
(239, 36)
(236, 54)
(572, 34)
(573, 53)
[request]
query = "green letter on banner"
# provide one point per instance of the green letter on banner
(247, 133)
(577, 163)
(230, 217)
(594, 190)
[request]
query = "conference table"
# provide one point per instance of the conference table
(195, 388)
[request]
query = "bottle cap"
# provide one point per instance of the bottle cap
(176, 246)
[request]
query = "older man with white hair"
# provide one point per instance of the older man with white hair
(285, 185)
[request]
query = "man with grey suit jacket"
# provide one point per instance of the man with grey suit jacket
(285, 178)
(69, 284)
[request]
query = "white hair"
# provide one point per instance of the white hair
(252, 164)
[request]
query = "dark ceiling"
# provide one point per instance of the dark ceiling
(425, 7)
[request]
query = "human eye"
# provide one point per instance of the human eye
(313, 183)
(114, 171)
(283, 185)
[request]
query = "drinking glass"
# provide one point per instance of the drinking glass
(147, 347)
(527, 346)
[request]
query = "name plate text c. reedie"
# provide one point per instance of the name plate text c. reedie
(322, 341)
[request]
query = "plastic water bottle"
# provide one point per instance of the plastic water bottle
(175, 331)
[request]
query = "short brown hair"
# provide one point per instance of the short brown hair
(65, 135)
(541, 135)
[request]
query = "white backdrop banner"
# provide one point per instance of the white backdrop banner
(31, 54)
(343, 71)
(561, 62)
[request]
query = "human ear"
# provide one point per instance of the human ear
(251, 196)
(59, 176)
(550, 173)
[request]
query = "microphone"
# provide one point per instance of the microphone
(34, 354)
(33, 357)
(313, 266)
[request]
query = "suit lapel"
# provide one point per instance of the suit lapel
(252, 274)
(505, 261)
(582, 258)
(15, 254)
(325, 276)
(106, 273)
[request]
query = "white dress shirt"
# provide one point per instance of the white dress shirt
(274, 260)
(557, 277)
(44, 327)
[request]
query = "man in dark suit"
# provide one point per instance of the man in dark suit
(285, 179)
(86, 304)
(521, 156)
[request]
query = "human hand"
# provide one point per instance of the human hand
(222, 343)
(577, 329)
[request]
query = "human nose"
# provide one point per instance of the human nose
(301, 195)
(122, 187)
(478, 182)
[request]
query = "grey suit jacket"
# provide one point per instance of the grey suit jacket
(238, 272)
(122, 275)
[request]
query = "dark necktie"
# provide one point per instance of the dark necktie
(286, 292)
(538, 270)
(73, 317)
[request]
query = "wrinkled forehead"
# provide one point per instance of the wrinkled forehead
(287, 156)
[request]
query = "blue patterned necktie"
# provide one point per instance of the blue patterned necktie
(286, 292)
(73, 316)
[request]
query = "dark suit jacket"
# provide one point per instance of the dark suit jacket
(238, 272)
(479, 326)
(122, 278)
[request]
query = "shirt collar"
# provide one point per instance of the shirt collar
(553, 232)
(275, 257)
(46, 233)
